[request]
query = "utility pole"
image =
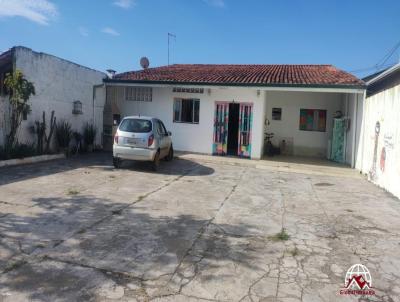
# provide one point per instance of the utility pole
(169, 36)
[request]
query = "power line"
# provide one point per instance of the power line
(381, 63)
(375, 67)
(389, 54)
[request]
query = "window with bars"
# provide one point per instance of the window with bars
(77, 107)
(186, 111)
(245, 126)
(139, 94)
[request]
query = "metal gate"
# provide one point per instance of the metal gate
(245, 122)
(220, 140)
(221, 125)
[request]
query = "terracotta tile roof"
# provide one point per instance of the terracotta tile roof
(268, 75)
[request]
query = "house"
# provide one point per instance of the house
(63, 86)
(226, 109)
(380, 136)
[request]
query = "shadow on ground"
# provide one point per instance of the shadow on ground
(98, 160)
(75, 246)
(176, 167)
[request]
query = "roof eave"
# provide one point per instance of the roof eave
(384, 74)
(338, 86)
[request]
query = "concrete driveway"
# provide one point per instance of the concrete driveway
(78, 230)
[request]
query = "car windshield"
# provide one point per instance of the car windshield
(136, 125)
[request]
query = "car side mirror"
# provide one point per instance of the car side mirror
(169, 133)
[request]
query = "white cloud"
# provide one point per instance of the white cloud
(83, 31)
(39, 11)
(110, 31)
(216, 3)
(124, 3)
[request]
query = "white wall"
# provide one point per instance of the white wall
(352, 109)
(305, 143)
(385, 108)
(58, 83)
(197, 137)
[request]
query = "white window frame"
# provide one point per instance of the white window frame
(179, 101)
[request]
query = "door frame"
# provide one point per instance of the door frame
(221, 127)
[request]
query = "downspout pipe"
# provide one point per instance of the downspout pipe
(362, 131)
(93, 103)
(353, 149)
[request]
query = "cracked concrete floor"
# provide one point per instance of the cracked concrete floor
(78, 230)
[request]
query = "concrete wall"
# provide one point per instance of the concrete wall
(305, 143)
(379, 155)
(352, 109)
(58, 84)
(195, 137)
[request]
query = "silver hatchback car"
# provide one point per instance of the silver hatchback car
(142, 138)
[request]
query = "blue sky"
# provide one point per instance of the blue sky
(104, 34)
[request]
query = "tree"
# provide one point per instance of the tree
(19, 91)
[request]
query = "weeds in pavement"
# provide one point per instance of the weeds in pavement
(281, 236)
(72, 192)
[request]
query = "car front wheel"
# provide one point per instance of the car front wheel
(116, 162)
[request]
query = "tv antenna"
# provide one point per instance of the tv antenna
(170, 36)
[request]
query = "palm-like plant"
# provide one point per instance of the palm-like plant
(63, 134)
(89, 135)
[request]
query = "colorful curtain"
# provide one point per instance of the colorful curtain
(338, 137)
(221, 117)
(313, 120)
(245, 122)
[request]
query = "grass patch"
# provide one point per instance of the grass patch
(323, 184)
(116, 212)
(40, 245)
(294, 252)
(14, 265)
(281, 236)
(140, 197)
(72, 192)
(82, 231)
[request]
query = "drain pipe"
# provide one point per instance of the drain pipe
(93, 106)
(353, 147)
(362, 130)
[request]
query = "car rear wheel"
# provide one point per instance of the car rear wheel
(116, 162)
(170, 155)
(156, 161)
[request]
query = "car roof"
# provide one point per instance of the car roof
(142, 117)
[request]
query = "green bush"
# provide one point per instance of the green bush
(63, 134)
(2, 153)
(89, 134)
(18, 151)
